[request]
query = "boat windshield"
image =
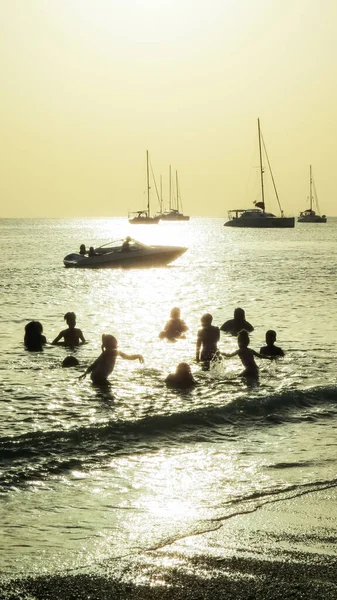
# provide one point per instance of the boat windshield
(252, 213)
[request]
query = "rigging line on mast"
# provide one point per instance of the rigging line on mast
(155, 183)
(315, 196)
(272, 176)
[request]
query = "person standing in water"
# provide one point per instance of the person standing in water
(236, 324)
(207, 341)
(103, 366)
(270, 349)
(175, 327)
(247, 355)
(72, 336)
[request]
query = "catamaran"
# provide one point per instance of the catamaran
(309, 215)
(143, 217)
(258, 217)
(175, 211)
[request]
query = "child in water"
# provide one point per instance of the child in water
(72, 336)
(33, 339)
(175, 327)
(247, 356)
(103, 366)
(182, 378)
(270, 349)
(207, 341)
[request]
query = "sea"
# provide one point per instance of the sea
(134, 490)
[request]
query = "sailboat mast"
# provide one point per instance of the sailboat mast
(170, 188)
(177, 190)
(310, 189)
(148, 182)
(261, 165)
(161, 193)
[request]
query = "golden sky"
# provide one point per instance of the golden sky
(88, 85)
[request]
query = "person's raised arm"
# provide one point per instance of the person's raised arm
(131, 356)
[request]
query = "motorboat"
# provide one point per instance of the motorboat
(309, 215)
(258, 217)
(125, 254)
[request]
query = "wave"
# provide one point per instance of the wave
(43, 453)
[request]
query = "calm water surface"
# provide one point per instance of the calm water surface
(88, 475)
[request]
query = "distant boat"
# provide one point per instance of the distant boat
(309, 215)
(175, 211)
(143, 217)
(258, 217)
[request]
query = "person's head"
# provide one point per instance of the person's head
(82, 249)
(70, 361)
(206, 319)
(243, 339)
(239, 314)
(33, 335)
(91, 250)
(175, 313)
(270, 337)
(128, 239)
(70, 319)
(33, 328)
(184, 370)
(109, 342)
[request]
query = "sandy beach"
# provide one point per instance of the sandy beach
(283, 549)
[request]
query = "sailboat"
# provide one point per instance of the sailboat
(309, 215)
(175, 208)
(258, 217)
(143, 217)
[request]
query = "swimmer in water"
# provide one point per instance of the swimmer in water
(33, 339)
(182, 378)
(72, 336)
(175, 327)
(251, 370)
(103, 366)
(207, 341)
(236, 324)
(270, 349)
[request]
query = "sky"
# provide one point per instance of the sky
(87, 86)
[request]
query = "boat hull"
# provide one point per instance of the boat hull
(262, 223)
(144, 221)
(155, 257)
(174, 218)
(312, 219)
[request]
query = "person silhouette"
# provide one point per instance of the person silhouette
(34, 340)
(175, 327)
(182, 378)
(270, 349)
(103, 366)
(207, 341)
(72, 336)
(247, 355)
(237, 324)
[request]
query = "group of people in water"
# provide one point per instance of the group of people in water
(207, 350)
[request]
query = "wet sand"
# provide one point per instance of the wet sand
(282, 550)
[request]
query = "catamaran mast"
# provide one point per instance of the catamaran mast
(170, 189)
(148, 183)
(261, 165)
(310, 197)
(177, 190)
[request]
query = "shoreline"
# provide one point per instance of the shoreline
(283, 549)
